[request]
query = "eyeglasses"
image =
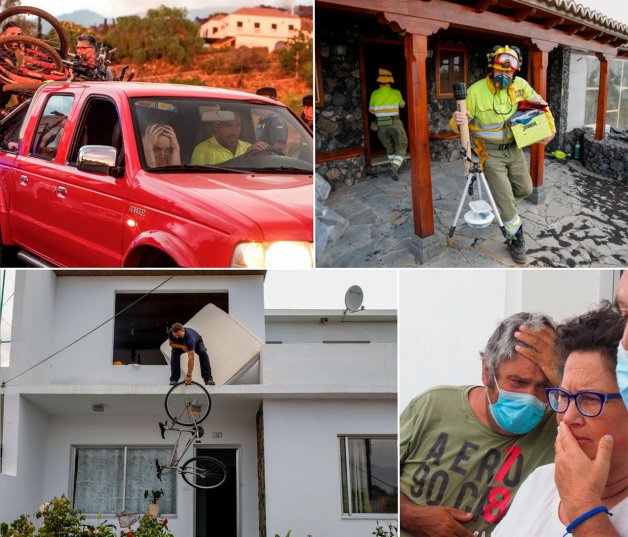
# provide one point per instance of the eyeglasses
(507, 61)
(589, 404)
(167, 150)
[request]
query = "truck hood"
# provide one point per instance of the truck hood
(281, 205)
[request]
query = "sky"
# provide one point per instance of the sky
(615, 9)
(326, 288)
(116, 8)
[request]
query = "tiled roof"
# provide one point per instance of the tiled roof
(264, 12)
(578, 11)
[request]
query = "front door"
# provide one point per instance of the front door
(376, 54)
(217, 509)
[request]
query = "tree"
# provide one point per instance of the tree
(5, 4)
(165, 33)
(296, 57)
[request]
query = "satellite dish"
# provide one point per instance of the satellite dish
(353, 298)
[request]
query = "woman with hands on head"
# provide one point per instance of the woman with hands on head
(585, 492)
(161, 147)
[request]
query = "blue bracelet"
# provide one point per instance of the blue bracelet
(586, 516)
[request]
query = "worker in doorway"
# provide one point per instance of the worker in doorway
(385, 104)
(490, 103)
(187, 340)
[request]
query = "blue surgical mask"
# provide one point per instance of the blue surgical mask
(502, 81)
(622, 372)
(516, 413)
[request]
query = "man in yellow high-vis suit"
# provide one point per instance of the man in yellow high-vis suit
(385, 103)
(490, 103)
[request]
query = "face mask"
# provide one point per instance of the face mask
(502, 81)
(622, 372)
(516, 413)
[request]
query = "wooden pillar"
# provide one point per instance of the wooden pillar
(602, 96)
(415, 43)
(418, 135)
(537, 151)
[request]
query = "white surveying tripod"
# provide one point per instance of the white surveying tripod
(482, 213)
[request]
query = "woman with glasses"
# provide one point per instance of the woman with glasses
(161, 147)
(585, 492)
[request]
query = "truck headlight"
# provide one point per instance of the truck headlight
(274, 255)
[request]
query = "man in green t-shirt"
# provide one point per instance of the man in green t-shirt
(464, 450)
(225, 144)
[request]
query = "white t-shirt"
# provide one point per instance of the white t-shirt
(534, 511)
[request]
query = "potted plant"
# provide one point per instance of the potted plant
(153, 506)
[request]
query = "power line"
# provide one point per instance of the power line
(88, 333)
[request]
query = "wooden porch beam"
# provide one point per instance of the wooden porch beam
(418, 134)
(607, 39)
(483, 5)
(522, 14)
(467, 17)
(602, 96)
(551, 23)
(575, 29)
(539, 82)
(592, 34)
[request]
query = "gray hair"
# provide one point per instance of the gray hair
(501, 345)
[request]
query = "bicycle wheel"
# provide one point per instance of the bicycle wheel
(204, 472)
(24, 58)
(35, 22)
(188, 404)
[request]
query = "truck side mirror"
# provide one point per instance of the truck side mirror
(98, 159)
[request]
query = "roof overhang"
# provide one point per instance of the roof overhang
(540, 23)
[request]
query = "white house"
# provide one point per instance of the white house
(251, 27)
(308, 433)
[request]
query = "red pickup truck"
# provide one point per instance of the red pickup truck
(104, 174)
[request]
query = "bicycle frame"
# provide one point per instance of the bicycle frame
(196, 433)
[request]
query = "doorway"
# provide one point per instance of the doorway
(376, 54)
(217, 510)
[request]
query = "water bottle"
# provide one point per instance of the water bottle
(576, 151)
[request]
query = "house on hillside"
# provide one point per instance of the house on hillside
(307, 429)
(251, 27)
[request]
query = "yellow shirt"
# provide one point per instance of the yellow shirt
(211, 152)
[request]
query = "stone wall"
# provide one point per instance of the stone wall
(348, 170)
(557, 90)
(607, 157)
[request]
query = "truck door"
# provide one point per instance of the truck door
(87, 208)
(31, 188)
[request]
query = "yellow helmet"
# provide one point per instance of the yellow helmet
(504, 58)
(385, 77)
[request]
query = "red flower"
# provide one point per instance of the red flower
(165, 522)
(130, 534)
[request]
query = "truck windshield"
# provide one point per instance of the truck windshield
(180, 135)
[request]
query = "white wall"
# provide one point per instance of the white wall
(577, 91)
(338, 364)
(24, 459)
(302, 462)
(447, 316)
(56, 311)
(291, 331)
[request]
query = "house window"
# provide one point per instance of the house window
(451, 67)
(369, 475)
(112, 479)
(239, 24)
(214, 30)
(141, 328)
(273, 26)
(290, 26)
(617, 102)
